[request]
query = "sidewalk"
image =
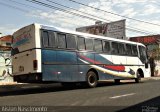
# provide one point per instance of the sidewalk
(8, 83)
(152, 78)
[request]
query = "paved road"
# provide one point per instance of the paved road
(127, 96)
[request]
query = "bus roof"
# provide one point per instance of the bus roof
(48, 27)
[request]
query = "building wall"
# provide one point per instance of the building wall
(152, 43)
(5, 59)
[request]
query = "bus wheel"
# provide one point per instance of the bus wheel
(117, 81)
(138, 79)
(91, 79)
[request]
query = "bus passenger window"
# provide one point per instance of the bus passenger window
(71, 41)
(89, 44)
(129, 49)
(52, 39)
(98, 45)
(122, 50)
(81, 43)
(114, 48)
(61, 40)
(106, 46)
(134, 50)
(45, 39)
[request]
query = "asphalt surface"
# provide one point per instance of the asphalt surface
(107, 97)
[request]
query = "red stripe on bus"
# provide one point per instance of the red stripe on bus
(116, 68)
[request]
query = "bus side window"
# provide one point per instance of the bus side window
(71, 41)
(81, 43)
(122, 50)
(98, 45)
(52, 39)
(114, 48)
(45, 38)
(61, 40)
(129, 49)
(134, 50)
(89, 44)
(106, 46)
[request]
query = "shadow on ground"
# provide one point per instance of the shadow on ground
(152, 105)
(24, 89)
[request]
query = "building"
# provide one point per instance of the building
(114, 29)
(5, 42)
(5, 59)
(152, 43)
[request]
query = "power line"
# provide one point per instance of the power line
(60, 9)
(76, 10)
(20, 9)
(131, 28)
(115, 13)
(14, 7)
(63, 10)
(50, 6)
(31, 7)
(24, 4)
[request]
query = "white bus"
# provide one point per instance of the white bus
(43, 53)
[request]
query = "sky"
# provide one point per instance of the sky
(15, 14)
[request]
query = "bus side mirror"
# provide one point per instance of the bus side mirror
(146, 65)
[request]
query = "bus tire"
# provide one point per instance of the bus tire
(138, 79)
(91, 79)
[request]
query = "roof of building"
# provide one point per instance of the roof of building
(7, 38)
